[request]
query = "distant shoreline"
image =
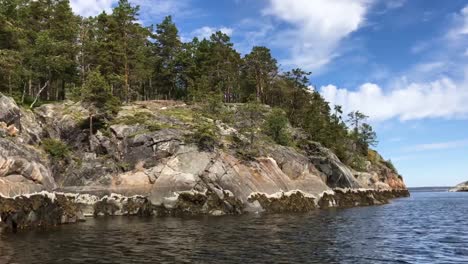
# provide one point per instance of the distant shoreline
(429, 189)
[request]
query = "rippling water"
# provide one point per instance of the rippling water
(426, 228)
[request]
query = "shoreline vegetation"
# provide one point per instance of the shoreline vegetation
(104, 105)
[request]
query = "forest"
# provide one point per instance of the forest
(49, 54)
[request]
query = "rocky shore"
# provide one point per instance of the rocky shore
(46, 209)
(462, 187)
(157, 158)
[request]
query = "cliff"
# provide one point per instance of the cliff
(178, 159)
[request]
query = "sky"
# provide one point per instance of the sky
(404, 63)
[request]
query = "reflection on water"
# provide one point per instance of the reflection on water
(426, 228)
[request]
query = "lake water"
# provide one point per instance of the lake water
(429, 227)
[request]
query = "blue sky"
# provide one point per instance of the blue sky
(402, 62)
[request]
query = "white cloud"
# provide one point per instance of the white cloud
(316, 28)
(442, 98)
(420, 47)
(461, 20)
(438, 146)
(394, 4)
(149, 9)
(206, 32)
(429, 67)
(88, 8)
(438, 87)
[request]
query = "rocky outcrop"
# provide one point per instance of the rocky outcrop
(9, 111)
(147, 162)
(462, 187)
(22, 169)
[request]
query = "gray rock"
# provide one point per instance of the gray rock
(337, 174)
(9, 111)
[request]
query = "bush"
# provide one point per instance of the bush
(276, 126)
(205, 136)
(358, 163)
(56, 148)
(213, 105)
(390, 165)
(373, 156)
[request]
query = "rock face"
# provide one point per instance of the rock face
(462, 187)
(146, 162)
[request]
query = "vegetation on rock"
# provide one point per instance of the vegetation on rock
(56, 148)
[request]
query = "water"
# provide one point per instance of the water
(429, 227)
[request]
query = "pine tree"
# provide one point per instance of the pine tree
(167, 48)
(261, 68)
(97, 94)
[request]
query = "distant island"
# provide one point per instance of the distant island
(462, 187)
(102, 116)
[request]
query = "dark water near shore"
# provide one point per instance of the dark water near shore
(429, 227)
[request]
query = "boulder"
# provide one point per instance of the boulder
(9, 111)
(22, 169)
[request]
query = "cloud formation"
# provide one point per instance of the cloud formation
(316, 27)
(442, 98)
(439, 146)
(88, 8)
(206, 32)
(149, 9)
(438, 88)
(462, 20)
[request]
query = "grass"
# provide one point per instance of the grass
(182, 114)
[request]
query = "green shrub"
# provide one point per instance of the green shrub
(213, 105)
(390, 165)
(276, 126)
(373, 156)
(205, 136)
(56, 148)
(358, 163)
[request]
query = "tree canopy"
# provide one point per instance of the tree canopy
(47, 53)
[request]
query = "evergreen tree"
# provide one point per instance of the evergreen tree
(260, 68)
(97, 94)
(276, 126)
(167, 48)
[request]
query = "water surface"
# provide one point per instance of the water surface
(429, 227)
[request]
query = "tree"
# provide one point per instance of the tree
(363, 134)
(368, 136)
(101, 103)
(126, 37)
(224, 61)
(356, 119)
(261, 68)
(276, 126)
(252, 113)
(167, 48)
(96, 92)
